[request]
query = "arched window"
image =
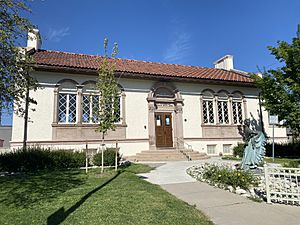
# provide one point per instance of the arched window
(208, 107)
(237, 109)
(67, 101)
(222, 106)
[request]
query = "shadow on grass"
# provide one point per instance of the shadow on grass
(60, 215)
(26, 191)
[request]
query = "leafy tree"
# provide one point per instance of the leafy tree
(280, 88)
(108, 91)
(14, 63)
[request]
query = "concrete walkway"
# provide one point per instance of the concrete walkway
(222, 207)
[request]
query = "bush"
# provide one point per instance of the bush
(288, 149)
(109, 157)
(67, 159)
(37, 158)
(223, 175)
(238, 150)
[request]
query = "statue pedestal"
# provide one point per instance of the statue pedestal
(257, 171)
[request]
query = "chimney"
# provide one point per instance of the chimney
(226, 63)
(259, 74)
(34, 39)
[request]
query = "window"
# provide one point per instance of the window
(158, 120)
(227, 149)
(208, 111)
(90, 107)
(237, 111)
(222, 105)
(90, 104)
(220, 110)
(118, 111)
(211, 149)
(67, 102)
(208, 108)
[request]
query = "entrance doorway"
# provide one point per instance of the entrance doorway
(163, 129)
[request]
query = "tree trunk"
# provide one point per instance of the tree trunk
(26, 118)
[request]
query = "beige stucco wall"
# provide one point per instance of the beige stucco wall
(136, 114)
(40, 117)
(191, 116)
(136, 106)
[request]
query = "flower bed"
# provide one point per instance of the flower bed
(226, 176)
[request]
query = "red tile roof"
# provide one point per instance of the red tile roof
(61, 60)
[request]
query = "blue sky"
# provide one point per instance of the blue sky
(191, 32)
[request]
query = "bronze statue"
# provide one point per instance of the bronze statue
(254, 150)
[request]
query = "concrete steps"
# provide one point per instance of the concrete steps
(160, 155)
(194, 155)
(168, 155)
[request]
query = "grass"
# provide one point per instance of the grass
(231, 157)
(72, 197)
(284, 161)
(287, 162)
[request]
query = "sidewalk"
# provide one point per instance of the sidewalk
(222, 207)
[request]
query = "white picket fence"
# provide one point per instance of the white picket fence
(282, 185)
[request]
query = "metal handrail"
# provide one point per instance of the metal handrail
(180, 141)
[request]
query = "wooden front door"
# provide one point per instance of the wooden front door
(163, 129)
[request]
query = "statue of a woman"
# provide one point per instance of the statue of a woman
(254, 149)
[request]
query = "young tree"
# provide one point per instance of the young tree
(280, 88)
(108, 91)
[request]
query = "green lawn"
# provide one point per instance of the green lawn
(287, 162)
(284, 161)
(72, 197)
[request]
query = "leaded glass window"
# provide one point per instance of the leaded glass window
(223, 116)
(237, 112)
(91, 103)
(117, 113)
(67, 108)
(90, 108)
(95, 108)
(62, 108)
(208, 111)
(86, 108)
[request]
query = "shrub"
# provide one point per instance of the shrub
(109, 157)
(222, 175)
(37, 158)
(238, 150)
(67, 159)
(288, 149)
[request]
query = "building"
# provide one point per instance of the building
(161, 105)
(5, 136)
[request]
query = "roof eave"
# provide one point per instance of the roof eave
(86, 71)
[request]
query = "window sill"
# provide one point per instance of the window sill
(219, 125)
(81, 125)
